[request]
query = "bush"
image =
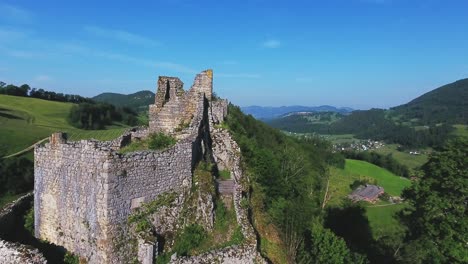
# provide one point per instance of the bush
(160, 141)
(191, 237)
(29, 221)
(69, 258)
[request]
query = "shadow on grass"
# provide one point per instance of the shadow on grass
(352, 225)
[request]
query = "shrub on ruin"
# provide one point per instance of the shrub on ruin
(160, 141)
(191, 237)
(29, 221)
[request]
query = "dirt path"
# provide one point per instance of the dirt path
(26, 149)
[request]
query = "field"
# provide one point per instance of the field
(380, 215)
(404, 158)
(24, 121)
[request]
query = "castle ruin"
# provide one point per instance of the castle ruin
(85, 191)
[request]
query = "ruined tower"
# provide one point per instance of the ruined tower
(175, 108)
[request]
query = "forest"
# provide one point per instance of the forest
(288, 181)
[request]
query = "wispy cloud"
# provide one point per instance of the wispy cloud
(85, 51)
(121, 35)
(42, 78)
(10, 34)
(238, 75)
(271, 44)
(15, 14)
(22, 54)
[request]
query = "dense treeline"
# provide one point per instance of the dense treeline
(16, 175)
(287, 178)
(371, 124)
(437, 218)
(384, 161)
(100, 115)
(26, 91)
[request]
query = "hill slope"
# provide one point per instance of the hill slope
(414, 124)
(138, 101)
(267, 113)
(24, 120)
(446, 104)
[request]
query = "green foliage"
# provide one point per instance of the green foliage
(237, 237)
(29, 221)
(160, 141)
(225, 174)
(156, 141)
(438, 213)
(25, 121)
(16, 176)
(100, 115)
(138, 101)
(69, 258)
(375, 124)
(140, 219)
(384, 161)
(287, 176)
(322, 246)
(191, 237)
(446, 104)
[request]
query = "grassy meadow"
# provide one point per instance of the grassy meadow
(24, 121)
(380, 215)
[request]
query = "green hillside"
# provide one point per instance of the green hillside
(380, 216)
(138, 101)
(424, 122)
(446, 104)
(24, 121)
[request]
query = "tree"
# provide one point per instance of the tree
(438, 216)
(322, 246)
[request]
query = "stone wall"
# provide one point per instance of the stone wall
(174, 109)
(85, 191)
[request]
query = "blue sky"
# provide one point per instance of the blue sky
(357, 53)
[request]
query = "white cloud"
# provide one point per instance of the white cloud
(22, 54)
(70, 48)
(271, 44)
(10, 35)
(121, 35)
(15, 14)
(42, 78)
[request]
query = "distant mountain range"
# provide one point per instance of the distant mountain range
(268, 113)
(138, 101)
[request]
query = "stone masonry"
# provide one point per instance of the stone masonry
(84, 191)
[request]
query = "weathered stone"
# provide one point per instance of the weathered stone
(85, 191)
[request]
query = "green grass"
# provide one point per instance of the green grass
(24, 121)
(381, 218)
(411, 161)
(8, 198)
(224, 175)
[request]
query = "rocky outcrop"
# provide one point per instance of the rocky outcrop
(233, 255)
(14, 253)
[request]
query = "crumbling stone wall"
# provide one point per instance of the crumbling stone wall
(174, 109)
